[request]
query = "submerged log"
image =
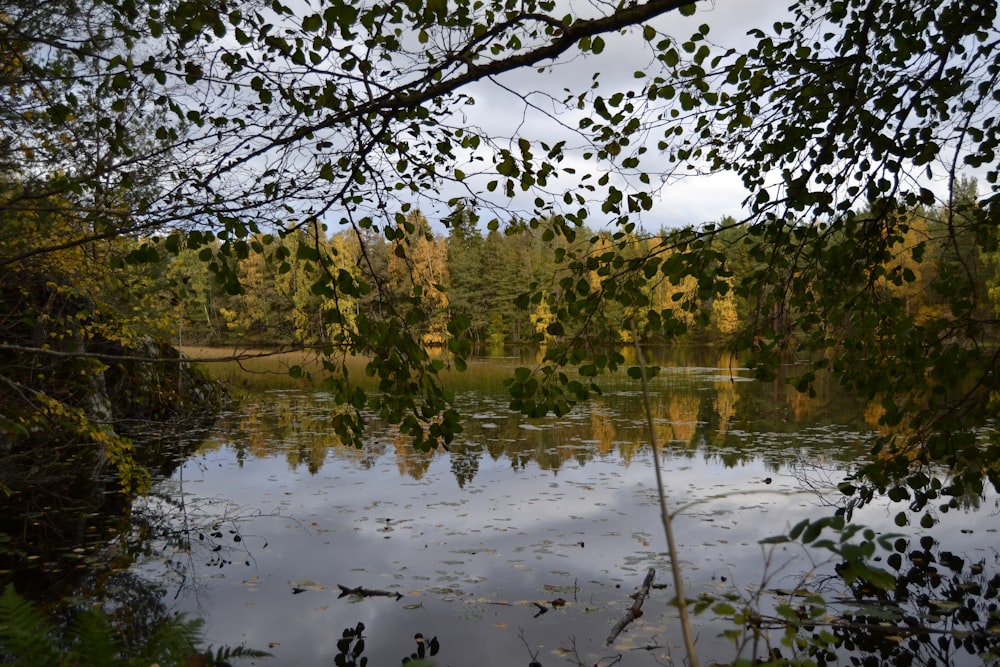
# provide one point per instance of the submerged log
(635, 611)
(363, 592)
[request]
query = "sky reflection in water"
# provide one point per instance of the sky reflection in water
(471, 560)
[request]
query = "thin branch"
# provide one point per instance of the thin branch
(665, 517)
(8, 347)
(432, 85)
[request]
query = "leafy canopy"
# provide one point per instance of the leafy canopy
(201, 126)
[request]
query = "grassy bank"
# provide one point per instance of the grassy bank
(260, 369)
(247, 369)
(253, 370)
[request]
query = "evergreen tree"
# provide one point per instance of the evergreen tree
(465, 270)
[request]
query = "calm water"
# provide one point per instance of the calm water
(524, 541)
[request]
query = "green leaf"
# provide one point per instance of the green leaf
(312, 23)
(797, 529)
(724, 609)
(875, 576)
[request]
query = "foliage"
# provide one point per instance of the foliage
(254, 135)
(27, 638)
(920, 604)
(290, 150)
(351, 648)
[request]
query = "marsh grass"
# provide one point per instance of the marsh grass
(256, 370)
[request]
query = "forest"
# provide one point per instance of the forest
(483, 279)
(407, 183)
(213, 174)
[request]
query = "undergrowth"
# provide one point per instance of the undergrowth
(29, 639)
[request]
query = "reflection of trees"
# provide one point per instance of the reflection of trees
(603, 428)
(726, 399)
(81, 554)
(700, 411)
(292, 424)
(135, 605)
(465, 461)
(411, 462)
(676, 418)
(191, 534)
(55, 530)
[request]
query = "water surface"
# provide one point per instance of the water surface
(522, 542)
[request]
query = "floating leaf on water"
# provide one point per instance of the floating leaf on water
(560, 589)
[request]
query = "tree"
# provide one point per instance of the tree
(466, 279)
(851, 170)
(348, 116)
(206, 126)
(418, 271)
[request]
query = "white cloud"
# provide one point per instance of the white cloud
(528, 103)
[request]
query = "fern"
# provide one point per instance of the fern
(92, 640)
(25, 633)
(227, 653)
(27, 639)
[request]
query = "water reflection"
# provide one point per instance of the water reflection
(274, 516)
(69, 540)
(713, 413)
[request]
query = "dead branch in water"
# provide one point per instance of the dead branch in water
(636, 610)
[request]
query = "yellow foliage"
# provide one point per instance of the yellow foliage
(724, 313)
(63, 288)
(541, 318)
(74, 423)
(418, 266)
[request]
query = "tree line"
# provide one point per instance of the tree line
(484, 278)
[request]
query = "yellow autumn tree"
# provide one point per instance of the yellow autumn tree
(725, 316)
(908, 272)
(679, 297)
(418, 268)
(541, 317)
(64, 297)
(260, 314)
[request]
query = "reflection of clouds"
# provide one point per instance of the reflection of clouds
(504, 537)
(502, 516)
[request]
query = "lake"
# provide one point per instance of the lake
(525, 540)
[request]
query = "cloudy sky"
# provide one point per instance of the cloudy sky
(690, 200)
(528, 103)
